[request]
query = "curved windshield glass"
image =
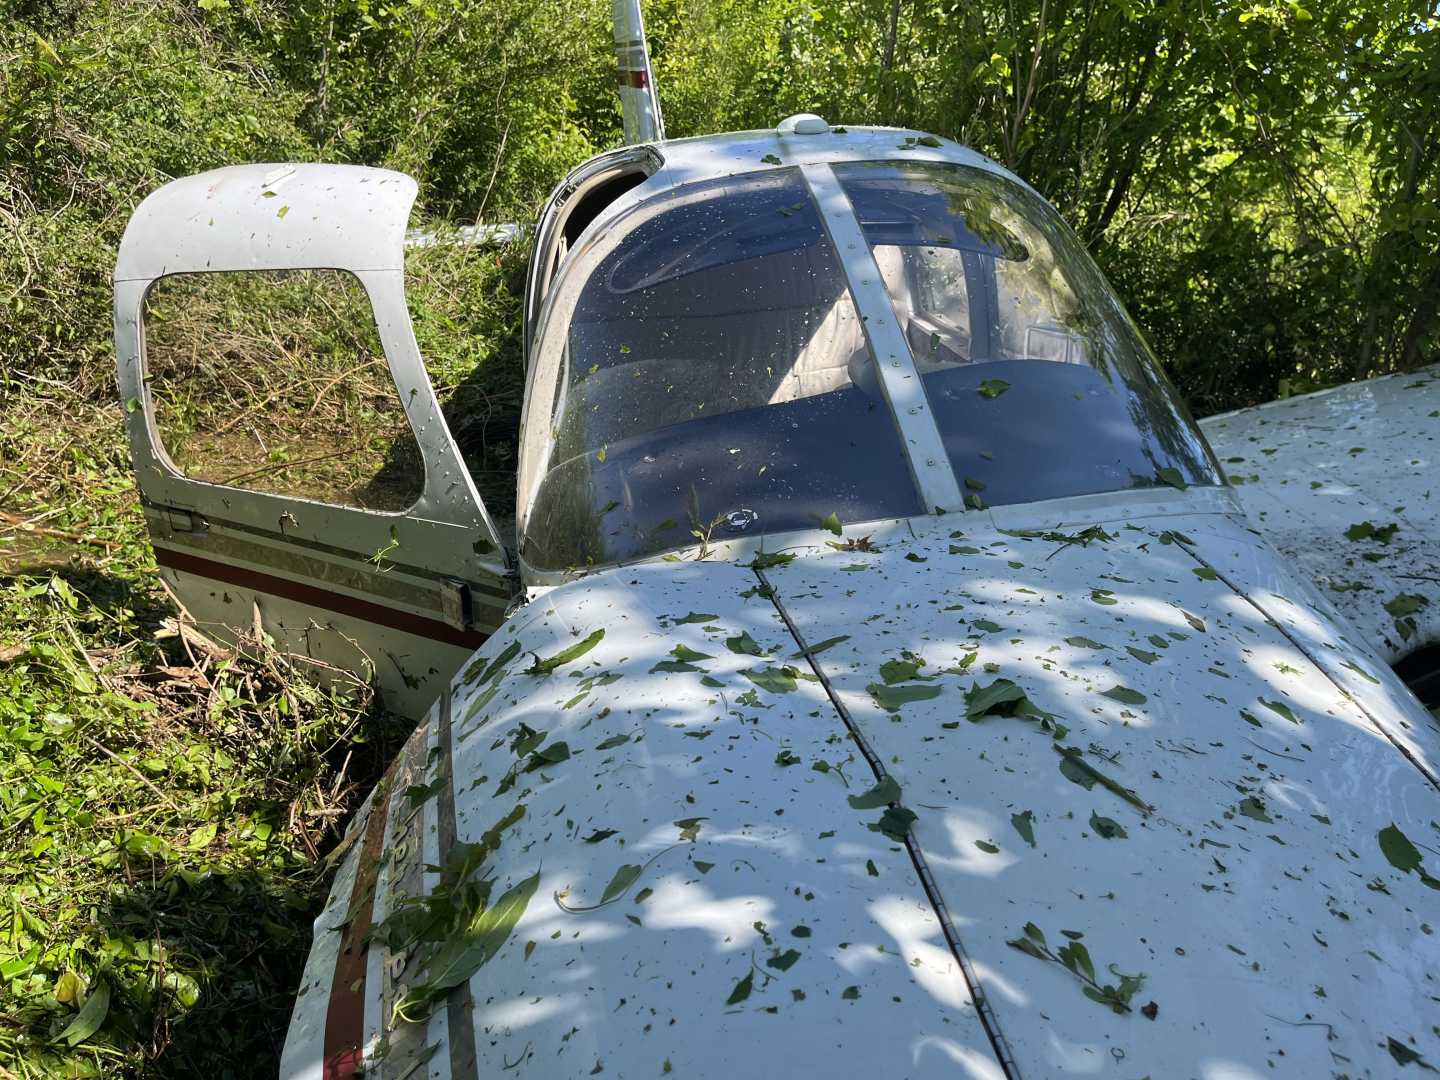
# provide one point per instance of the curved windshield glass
(1040, 384)
(708, 383)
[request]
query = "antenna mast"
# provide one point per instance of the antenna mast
(639, 104)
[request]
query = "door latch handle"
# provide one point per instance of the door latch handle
(455, 603)
(186, 521)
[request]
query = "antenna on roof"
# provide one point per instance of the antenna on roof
(639, 105)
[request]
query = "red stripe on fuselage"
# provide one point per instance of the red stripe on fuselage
(345, 1015)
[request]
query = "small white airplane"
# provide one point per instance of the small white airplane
(884, 680)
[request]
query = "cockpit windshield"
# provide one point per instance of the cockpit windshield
(706, 390)
(1040, 384)
(709, 375)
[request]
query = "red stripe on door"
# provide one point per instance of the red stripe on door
(379, 614)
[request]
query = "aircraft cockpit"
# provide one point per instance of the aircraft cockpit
(874, 339)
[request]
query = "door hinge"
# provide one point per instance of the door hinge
(455, 603)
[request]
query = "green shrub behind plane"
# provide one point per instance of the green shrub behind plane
(882, 678)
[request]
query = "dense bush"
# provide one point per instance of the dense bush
(1262, 182)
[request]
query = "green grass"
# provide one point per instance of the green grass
(166, 804)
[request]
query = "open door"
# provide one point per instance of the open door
(291, 455)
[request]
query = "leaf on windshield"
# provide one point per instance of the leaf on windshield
(1403, 1054)
(776, 680)
(1083, 643)
(745, 985)
(1368, 530)
(832, 523)
(1398, 850)
(894, 671)
(1173, 478)
(553, 754)
(684, 660)
(1254, 809)
(695, 617)
(689, 827)
(1406, 604)
(819, 647)
(1281, 709)
(564, 656)
(894, 823)
(620, 882)
(1108, 828)
(1077, 770)
(1001, 698)
(482, 673)
(993, 388)
(460, 957)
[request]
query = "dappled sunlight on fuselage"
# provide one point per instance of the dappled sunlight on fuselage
(1105, 749)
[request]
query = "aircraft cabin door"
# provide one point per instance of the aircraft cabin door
(291, 456)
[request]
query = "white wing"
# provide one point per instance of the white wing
(1326, 476)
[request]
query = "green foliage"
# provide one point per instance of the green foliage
(1260, 181)
(162, 818)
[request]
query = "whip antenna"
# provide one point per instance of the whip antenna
(639, 104)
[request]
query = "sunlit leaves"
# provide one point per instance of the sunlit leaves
(461, 956)
(1108, 828)
(1124, 695)
(1024, 824)
(894, 698)
(885, 791)
(565, 656)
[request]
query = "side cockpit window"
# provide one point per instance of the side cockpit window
(710, 383)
